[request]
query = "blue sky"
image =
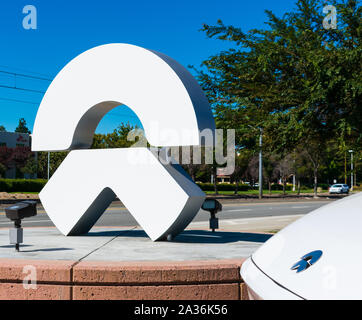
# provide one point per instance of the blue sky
(67, 28)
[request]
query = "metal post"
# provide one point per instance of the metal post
(48, 165)
(345, 167)
(293, 182)
(352, 184)
(261, 164)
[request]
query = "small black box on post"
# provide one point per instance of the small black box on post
(213, 206)
(16, 213)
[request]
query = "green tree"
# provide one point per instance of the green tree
(56, 158)
(269, 169)
(30, 167)
(19, 157)
(242, 160)
(2, 170)
(115, 139)
(22, 127)
(119, 138)
(2, 128)
(296, 80)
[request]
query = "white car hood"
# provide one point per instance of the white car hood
(334, 229)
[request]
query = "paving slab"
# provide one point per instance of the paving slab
(252, 225)
(131, 244)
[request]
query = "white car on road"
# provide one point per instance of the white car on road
(339, 188)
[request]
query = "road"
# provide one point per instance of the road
(119, 216)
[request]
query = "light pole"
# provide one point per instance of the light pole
(351, 152)
(261, 164)
(48, 165)
(35, 155)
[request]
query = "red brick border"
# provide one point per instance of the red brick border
(71, 280)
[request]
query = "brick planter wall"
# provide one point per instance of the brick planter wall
(71, 280)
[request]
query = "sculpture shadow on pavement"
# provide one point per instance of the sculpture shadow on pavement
(191, 236)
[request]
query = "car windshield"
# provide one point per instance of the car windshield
(337, 186)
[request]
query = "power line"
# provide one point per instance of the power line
(42, 78)
(22, 89)
(23, 70)
(38, 91)
(16, 75)
(20, 101)
(24, 75)
(118, 115)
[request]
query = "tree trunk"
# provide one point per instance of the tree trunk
(315, 183)
(284, 187)
(270, 190)
(215, 180)
(298, 187)
(236, 187)
(315, 170)
(192, 172)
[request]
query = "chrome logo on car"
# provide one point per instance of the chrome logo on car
(307, 261)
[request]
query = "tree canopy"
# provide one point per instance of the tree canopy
(22, 127)
(295, 79)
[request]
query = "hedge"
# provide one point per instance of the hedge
(223, 187)
(22, 185)
(35, 185)
(309, 186)
(245, 187)
(279, 187)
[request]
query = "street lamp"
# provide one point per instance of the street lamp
(352, 183)
(261, 164)
(48, 165)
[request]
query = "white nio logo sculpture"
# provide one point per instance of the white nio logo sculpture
(162, 198)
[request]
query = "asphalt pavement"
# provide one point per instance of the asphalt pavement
(117, 215)
(116, 236)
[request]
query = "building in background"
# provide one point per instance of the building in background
(223, 176)
(13, 140)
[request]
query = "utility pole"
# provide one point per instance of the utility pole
(345, 167)
(261, 164)
(294, 174)
(293, 182)
(352, 173)
(48, 165)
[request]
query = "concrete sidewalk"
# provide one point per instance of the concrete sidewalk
(130, 244)
(236, 238)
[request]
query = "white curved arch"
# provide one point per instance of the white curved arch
(162, 93)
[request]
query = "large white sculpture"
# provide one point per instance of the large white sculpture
(161, 92)
(173, 111)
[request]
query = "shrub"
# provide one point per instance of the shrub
(279, 187)
(22, 185)
(223, 187)
(324, 186)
